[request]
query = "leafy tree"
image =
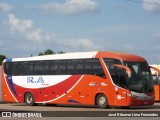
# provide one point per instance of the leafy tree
(49, 52)
(40, 54)
(60, 52)
(2, 57)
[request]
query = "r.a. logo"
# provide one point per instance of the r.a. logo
(33, 80)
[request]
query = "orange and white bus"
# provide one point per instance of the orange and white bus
(155, 70)
(88, 78)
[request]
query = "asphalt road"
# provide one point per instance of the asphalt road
(23, 107)
(78, 112)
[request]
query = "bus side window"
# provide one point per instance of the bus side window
(38, 68)
(23, 68)
(8, 68)
(46, 70)
(54, 67)
(88, 67)
(80, 67)
(109, 63)
(70, 67)
(62, 67)
(26, 68)
(97, 69)
(15, 68)
(121, 78)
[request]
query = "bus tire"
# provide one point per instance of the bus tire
(102, 101)
(29, 99)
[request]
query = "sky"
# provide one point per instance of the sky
(28, 27)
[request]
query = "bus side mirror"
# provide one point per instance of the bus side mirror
(127, 69)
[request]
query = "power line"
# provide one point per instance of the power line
(138, 1)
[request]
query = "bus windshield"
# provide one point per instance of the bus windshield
(141, 80)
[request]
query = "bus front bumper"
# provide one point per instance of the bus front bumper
(139, 99)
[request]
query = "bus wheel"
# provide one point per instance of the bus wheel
(29, 99)
(102, 101)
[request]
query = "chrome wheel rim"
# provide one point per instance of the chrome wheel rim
(29, 99)
(102, 101)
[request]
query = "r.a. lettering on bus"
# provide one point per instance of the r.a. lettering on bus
(33, 80)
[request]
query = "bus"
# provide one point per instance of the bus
(96, 78)
(155, 70)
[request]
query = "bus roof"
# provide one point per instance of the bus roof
(82, 55)
(122, 56)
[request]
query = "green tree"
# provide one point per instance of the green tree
(2, 57)
(40, 54)
(49, 52)
(60, 52)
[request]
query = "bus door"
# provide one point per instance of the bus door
(120, 79)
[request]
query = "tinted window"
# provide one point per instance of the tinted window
(15, 68)
(8, 68)
(118, 75)
(80, 67)
(88, 66)
(97, 69)
(38, 68)
(56, 67)
(46, 67)
(62, 67)
(25, 68)
(70, 67)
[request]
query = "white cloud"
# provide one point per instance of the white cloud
(152, 6)
(69, 7)
(19, 24)
(4, 7)
(26, 29)
(80, 44)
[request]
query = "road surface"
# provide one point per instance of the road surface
(23, 107)
(72, 112)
